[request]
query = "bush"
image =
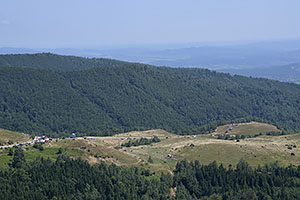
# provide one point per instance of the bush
(38, 146)
(59, 151)
(10, 152)
(150, 160)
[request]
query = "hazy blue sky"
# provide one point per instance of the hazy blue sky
(91, 23)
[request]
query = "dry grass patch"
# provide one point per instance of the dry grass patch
(149, 133)
(16, 137)
(256, 151)
(251, 128)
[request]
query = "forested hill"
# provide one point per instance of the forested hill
(54, 62)
(76, 179)
(125, 96)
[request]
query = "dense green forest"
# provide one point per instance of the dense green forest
(77, 179)
(195, 181)
(103, 97)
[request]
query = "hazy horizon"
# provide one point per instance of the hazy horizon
(117, 23)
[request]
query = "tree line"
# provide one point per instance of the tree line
(76, 179)
(141, 141)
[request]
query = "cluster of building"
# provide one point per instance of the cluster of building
(41, 139)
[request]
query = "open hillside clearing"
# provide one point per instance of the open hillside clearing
(162, 156)
(15, 137)
(247, 129)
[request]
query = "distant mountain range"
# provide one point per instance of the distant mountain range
(289, 73)
(249, 59)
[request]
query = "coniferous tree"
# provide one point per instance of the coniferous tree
(18, 159)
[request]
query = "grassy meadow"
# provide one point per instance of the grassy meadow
(172, 148)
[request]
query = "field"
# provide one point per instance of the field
(16, 137)
(172, 148)
(251, 129)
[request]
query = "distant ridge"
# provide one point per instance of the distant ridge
(288, 73)
(54, 61)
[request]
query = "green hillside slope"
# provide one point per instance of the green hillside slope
(123, 97)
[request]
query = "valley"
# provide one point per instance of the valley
(149, 100)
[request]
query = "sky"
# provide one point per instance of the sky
(107, 23)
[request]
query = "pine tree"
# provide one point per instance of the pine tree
(18, 159)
